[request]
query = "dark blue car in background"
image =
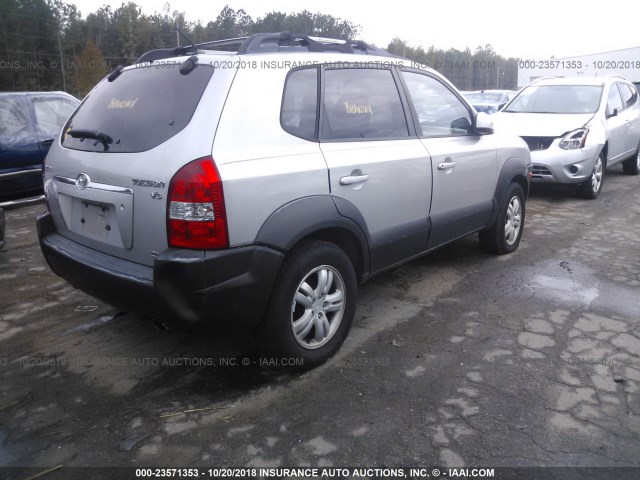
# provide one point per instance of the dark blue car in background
(29, 121)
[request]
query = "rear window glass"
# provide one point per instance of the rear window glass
(142, 108)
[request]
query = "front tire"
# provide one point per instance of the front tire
(593, 186)
(312, 306)
(505, 234)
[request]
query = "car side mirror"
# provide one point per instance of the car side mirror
(484, 124)
(461, 124)
(613, 114)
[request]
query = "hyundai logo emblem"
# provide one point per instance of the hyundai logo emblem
(82, 181)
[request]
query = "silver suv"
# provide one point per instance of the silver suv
(256, 189)
(576, 128)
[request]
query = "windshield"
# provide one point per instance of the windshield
(557, 99)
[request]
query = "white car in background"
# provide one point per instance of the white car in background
(576, 128)
(489, 101)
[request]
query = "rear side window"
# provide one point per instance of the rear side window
(142, 108)
(362, 104)
(300, 103)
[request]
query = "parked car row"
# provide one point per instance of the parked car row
(576, 128)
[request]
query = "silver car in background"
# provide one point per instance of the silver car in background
(576, 128)
(489, 101)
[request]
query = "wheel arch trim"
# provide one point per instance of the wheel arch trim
(513, 170)
(316, 217)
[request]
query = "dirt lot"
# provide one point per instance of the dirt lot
(456, 359)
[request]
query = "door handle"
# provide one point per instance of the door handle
(354, 179)
(446, 165)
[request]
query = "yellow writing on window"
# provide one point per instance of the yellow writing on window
(355, 109)
(119, 104)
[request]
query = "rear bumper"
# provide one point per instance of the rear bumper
(226, 289)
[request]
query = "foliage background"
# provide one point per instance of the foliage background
(47, 45)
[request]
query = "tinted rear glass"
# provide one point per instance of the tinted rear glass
(140, 109)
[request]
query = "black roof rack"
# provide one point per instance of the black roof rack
(270, 43)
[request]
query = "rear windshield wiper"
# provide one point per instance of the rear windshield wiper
(92, 134)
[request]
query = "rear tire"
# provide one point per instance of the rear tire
(631, 166)
(591, 188)
(311, 308)
(505, 234)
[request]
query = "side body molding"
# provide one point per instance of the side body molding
(513, 169)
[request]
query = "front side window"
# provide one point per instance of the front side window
(51, 115)
(614, 102)
(561, 99)
(362, 103)
(300, 103)
(439, 111)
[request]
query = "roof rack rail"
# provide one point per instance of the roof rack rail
(616, 75)
(270, 43)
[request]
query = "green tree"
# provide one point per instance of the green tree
(88, 69)
(484, 69)
(28, 45)
(230, 23)
(315, 24)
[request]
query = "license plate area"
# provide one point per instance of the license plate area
(100, 212)
(96, 218)
(97, 221)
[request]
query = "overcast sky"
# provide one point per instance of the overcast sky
(533, 30)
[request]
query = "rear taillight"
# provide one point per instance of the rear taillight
(44, 184)
(196, 215)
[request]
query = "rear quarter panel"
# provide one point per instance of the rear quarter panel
(262, 166)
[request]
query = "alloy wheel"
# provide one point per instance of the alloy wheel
(318, 307)
(596, 176)
(513, 220)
